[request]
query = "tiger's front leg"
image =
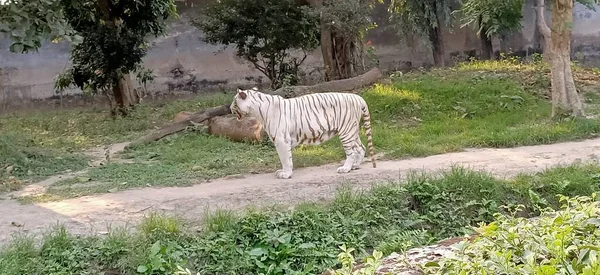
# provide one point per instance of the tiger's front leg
(284, 150)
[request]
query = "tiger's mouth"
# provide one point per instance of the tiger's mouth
(236, 112)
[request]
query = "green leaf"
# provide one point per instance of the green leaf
(257, 252)
(142, 269)
(432, 264)
(155, 248)
(307, 245)
(17, 48)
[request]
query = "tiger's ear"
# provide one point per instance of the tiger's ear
(241, 93)
(255, 88)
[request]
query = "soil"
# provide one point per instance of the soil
(94, 214)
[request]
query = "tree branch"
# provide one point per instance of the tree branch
(540, 8)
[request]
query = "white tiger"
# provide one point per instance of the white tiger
(308, 119)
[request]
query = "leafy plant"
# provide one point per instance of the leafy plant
(561, 241)
(162, 258)
(264, 33)
(371, 263)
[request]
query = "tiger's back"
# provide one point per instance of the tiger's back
(316, 118)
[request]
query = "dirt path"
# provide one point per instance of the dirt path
(93, 213)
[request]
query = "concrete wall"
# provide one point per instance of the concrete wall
(26, 79)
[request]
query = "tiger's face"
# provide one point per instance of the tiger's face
(242, 105)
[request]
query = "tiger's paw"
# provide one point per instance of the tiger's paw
(343, 169)
(281, 174)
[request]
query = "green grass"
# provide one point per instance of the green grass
(476, 104)
(82, 128)
(389, 217)
(22, 162)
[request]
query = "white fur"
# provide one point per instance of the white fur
(308, 119)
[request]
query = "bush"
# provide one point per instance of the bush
(559, 242)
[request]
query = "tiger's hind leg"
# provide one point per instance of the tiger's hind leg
(360, 155)
(353, 150)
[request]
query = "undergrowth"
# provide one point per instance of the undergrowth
(389, 218)
(559, 242)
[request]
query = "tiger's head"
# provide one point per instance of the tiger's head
(242, 104)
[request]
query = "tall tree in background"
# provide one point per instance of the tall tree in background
(115, 34)
(491, 18)
(343, 27)
(557, 51)
(425, 18)
(264, 33)
(28, 23)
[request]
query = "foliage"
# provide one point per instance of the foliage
(348, 262)
(349, 18)
(492, 17)
(30, 22)
(420, 17)
(559, 242)
(306, 238)
(590, 4)
(264, 33)
(115, 37)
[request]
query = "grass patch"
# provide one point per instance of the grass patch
(475, 104)
(82, 128)
(390, 217)
(21, 162)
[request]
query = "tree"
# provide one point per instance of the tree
(264, 33)
(29, 22)
(114, 42)
(343, 27)
(424, 18)
(557, 51)
(492, 18)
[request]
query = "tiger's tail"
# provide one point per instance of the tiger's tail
(368, 132)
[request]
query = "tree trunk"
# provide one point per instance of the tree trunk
(557, 51)
(327, 51)
(337, 50)
(487, 50)
(437, 42)
(124, 95)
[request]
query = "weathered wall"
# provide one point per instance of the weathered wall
(28, 78)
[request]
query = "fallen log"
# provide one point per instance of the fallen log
(343, 85)
(176, 127)
(247, 129)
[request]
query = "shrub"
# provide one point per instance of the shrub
(559, 242)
